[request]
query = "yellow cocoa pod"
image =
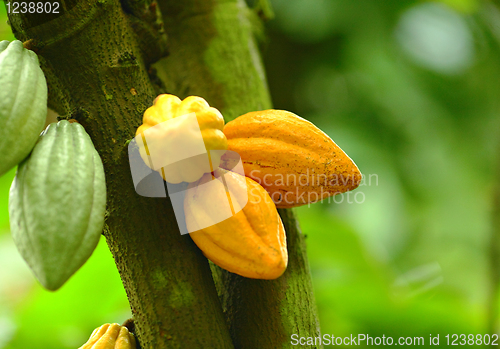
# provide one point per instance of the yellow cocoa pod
(291, 158)
(252, 242)
(178, 145)
(110, 336)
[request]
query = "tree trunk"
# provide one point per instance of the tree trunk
(95, 70)
(95, 55)
(213, 54)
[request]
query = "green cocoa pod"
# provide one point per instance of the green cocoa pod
(23, 103)
(57, 203)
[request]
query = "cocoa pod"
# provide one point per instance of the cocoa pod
(176, 138)
(292, 159)
(252, 242)
(23, 103)
(110, 336)
(57, 203)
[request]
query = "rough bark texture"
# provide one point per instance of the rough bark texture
(213, 54)
(95, 56)
(95, 67)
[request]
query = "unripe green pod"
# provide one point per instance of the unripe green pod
(57, 203)
(23, 103)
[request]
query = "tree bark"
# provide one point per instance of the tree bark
(95, 55)
(213, 53)
(95, 69)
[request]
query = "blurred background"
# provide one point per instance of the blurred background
(411, 91)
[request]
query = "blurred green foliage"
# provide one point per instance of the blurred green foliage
(410, 90)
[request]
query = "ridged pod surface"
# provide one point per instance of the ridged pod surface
(110, 336)
(167, 135)
(251, 243)
(291, 158)
(57, 203)
(23, 103)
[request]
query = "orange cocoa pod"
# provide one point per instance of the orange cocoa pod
(291, 158)
(252, 242)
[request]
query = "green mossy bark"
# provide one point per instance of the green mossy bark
(94, 56)
(95, 69)
(213, 54)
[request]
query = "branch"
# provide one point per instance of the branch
(214, 55)
(96, 69)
